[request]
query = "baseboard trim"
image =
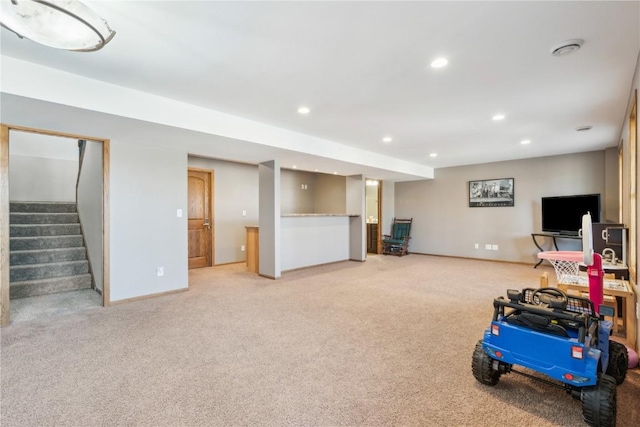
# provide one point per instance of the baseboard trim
(267, 276)
(142, 297)
(229, 263)
(320, 265)
(475, 259)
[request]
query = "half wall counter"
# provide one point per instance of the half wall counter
(314, 239)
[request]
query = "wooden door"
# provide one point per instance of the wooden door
(200, 221)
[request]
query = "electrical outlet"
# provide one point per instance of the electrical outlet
(477, 246)
(494, 247)
(160, 271)
(487, 246)
(242, 248)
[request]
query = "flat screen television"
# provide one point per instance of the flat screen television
(563, 214)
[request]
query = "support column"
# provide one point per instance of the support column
(357, 226)
(269, 222)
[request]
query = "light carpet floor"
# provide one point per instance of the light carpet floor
(385, 342)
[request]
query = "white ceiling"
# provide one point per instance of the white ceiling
(363, 70)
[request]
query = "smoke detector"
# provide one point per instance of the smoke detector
(567, 47)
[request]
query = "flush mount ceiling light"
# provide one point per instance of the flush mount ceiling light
(387, 139)
(304, 110)
(61, 24)
(525, 141)
(433, 155)
(567, 47)
(439, 63)
(498, 117)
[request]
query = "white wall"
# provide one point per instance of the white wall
(43, 168)
(294, 198)
(312, 240)
(90, 207)
(330, 194)
(235, 189)
(388, 206)
(147, 186)
(444, 224)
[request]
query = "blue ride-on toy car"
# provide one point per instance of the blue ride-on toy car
(561, 337)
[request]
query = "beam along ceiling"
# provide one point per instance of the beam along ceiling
(363, 69)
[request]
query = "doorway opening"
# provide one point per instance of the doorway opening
(54, 222)
(373, 212)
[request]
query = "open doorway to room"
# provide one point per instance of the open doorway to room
(54, 223)
(373, 212)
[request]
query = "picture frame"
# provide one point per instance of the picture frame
(491, 193)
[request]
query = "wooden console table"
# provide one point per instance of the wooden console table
(555, 244)
(613, 287)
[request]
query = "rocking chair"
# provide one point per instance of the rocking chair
(397, 242)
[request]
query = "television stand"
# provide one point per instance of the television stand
(553, 236)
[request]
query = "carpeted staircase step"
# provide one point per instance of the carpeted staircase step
(46, 242)
(19, 273)
(48, 207)
(42, 256)
(32, 230)
(42, 218)
(32, 288)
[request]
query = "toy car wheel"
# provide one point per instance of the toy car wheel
(618, 361)
(482, 367)
(599, 402)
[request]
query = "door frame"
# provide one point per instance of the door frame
(211, 212)
(4, 211)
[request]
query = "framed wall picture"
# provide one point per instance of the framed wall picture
(491, 193)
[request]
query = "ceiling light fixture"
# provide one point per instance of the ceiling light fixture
(433, 155)
(295, 167)
(61, 24)
(304, 110)
(525, 141)
(439, 63)
(387, 139)
(566, 47)
(498, 117)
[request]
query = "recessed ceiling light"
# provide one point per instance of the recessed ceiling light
(525, 141)
(433, 155)
(316, 170)
(304, 110)
(335, 173)
(498, 117)
(566, 47)
(584, 128)
(295, 167)
(387, 139)
(439, 63)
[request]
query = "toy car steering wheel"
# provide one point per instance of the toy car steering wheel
(546, 295)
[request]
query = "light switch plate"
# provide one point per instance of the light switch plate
(179, 213)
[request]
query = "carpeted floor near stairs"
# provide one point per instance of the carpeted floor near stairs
(385, 342)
